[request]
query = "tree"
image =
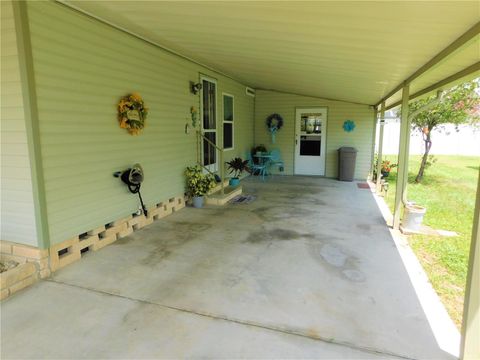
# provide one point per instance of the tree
(459, 105)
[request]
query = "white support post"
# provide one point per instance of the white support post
(471, 311)
(403, 151)
(374, 139)
(380, 148)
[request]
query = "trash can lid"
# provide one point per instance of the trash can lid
(347, 149)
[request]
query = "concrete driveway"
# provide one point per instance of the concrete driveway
(308, 269)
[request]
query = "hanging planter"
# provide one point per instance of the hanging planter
(274, 123)
(132, 113)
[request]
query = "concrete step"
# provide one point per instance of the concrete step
(229, 193)
(218, 187)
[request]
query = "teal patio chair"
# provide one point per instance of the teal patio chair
(277, 160)
(259, 169)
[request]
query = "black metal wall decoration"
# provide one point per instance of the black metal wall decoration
(133, 178)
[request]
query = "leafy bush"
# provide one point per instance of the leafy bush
(236, 166)
(198, 183)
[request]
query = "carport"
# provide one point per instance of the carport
(320, 269)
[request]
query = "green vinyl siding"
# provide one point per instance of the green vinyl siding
(17, 205)
(82, 68)
(268, 102)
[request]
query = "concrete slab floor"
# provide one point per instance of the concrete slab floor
(309, 269)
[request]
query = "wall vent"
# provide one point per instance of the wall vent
(249, 91)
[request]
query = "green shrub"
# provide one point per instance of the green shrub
(198, 183)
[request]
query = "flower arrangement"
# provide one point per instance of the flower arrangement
(198, 183)
(193, 114)
(132, 113)
(387, 166)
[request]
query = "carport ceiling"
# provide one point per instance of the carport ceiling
(354, 51)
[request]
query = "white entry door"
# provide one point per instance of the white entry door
(208, 102)
(310, 139)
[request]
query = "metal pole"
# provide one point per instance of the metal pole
(222, 170)
(402, 174)
(470, 348)
(380, 148)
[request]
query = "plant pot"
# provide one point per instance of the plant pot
(234, 182)
(197, 201)
(385, 173)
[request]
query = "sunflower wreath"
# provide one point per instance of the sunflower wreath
(132, 113)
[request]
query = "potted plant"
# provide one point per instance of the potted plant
(236, 166)
(198, 184)
(257, 150)
(387, 166)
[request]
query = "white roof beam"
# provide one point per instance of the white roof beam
(448, 80)
(454, 46)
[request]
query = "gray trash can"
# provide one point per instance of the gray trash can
(347, 157)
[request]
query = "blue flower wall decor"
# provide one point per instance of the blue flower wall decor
(348, 125)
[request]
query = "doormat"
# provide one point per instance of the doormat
(363, 186)
(243, 199)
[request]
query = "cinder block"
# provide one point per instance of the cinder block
(179, 203)
(57, 262)
(29, 252)
(136, 220)
(64, 244)
(17, 274)
(4, 293)
(73, 254)
(170, 205)
(124, 233)
(96, 231)
(168, 209)
(86, 242)
(23, 284)
(158, 213)
(141, 222)
(104, 241)
(42, 263)
(18, 259)
(5, 248)
(114, 230)
(45, 273)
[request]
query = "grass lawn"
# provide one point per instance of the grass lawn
(448, 192)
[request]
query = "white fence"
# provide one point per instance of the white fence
(449, 141)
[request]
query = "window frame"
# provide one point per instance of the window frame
(232, 122)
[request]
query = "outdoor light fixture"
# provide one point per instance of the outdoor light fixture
(195, 87)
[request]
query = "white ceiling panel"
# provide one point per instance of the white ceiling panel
(355, 51)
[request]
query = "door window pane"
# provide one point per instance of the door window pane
(310, 147)
(208, 89)
(228, 115)
(209, 153)
(227, 108)
(227, 135)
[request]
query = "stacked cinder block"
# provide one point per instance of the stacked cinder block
(39, 263)
(32, 264)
